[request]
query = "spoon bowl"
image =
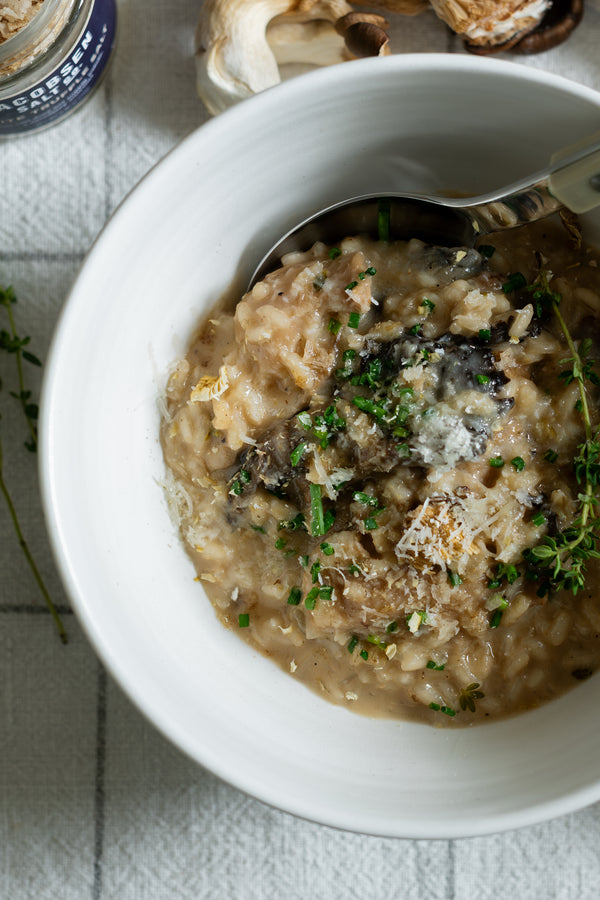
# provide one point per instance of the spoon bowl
(571, 181)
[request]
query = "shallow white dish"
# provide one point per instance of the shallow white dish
(200, 219)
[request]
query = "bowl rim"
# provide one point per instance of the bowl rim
(494, 822)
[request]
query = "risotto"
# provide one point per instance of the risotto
(382, 461)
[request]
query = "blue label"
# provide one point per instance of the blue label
(60, 92)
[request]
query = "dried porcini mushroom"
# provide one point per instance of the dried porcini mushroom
(240, 44)
(525, 26)
(554, 28)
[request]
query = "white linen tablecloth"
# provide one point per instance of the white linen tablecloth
(94, 803)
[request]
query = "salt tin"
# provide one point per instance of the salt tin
(49, 68)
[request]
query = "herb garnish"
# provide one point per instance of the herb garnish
(295, 596)
(384, 212)
(469, 695)
(435, 666)
(560, 560)
(242, 478)
(12, 343)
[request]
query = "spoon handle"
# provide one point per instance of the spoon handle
(575, 175)
(572, 179)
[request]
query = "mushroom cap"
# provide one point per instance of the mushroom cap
(491, 23)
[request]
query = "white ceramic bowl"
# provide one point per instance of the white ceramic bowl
(200, 219)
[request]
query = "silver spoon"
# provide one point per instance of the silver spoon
(571, 180)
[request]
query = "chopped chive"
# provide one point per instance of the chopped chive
(435, 706)
(496, 462)
(258, 528)
(314, 571)
(482, 379)
(353, 319)
(448, 711)
(305, 420)
(317, 525)
(297, 453)
(433, 665)
(428, 304)
(325, 592)
(304, 560)
(244, 476)
(364, 654)
(485, 334)
(334, 253)
(383, 220)
(454, 578)
(496, 618)
(280, 544)
(494, 584)
(518, 463)
(416, 329)
(348, 354)
(295, 596)
(508, 571)
(334, 326)
(371, 271)
(319, 281)
(376, 641)
(310, 600)
(514, 282)
(370, 524)
(361, 497)
(244, 620)
(393, 626)
(351, 286)
(487, 250)
(327, 549)
(354, 570)
(329, 519)
(539, 519)
(551, 456)
(292, 524)
(352, 644)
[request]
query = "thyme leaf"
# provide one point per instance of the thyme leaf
(560, 559)
(469, 695)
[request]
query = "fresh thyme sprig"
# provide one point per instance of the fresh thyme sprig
(15, 345)
(560, 560)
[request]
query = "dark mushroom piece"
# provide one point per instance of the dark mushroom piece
(364, 34)
(557, 23)
(556, 26)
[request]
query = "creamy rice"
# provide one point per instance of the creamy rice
(362, 449)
